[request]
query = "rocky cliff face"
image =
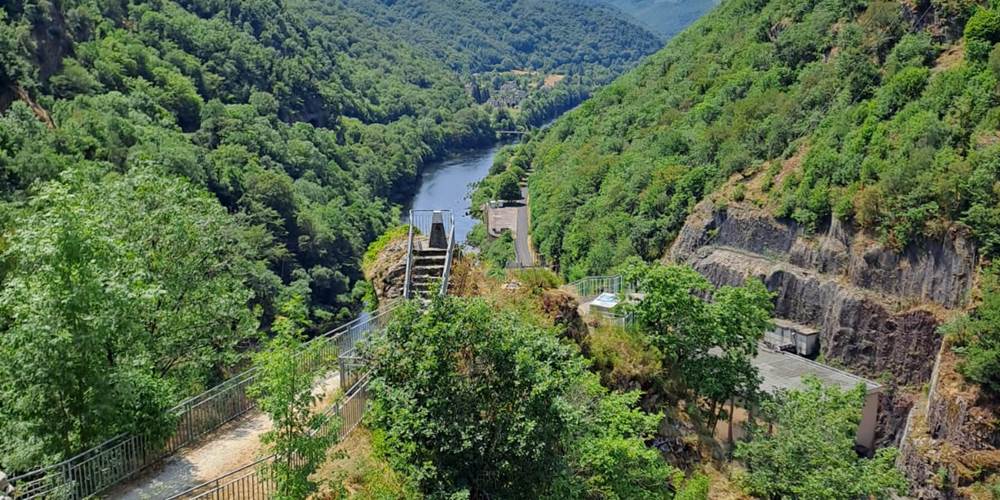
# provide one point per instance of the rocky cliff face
(388, 273)
(876, 309)
(951, 436)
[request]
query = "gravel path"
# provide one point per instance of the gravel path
(231, 447)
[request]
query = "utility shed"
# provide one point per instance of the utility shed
(781, 370)
(786, 335)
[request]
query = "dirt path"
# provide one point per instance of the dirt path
(233, 446)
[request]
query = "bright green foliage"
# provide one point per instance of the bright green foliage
(977, 336)
(283, 389)
(120, 295)
(846, 86)
(507, 188)
(810, 454)
(685, 328)
(495, 252)
(984, 25)
(469, 400)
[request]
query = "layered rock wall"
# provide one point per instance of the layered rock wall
(875, 308)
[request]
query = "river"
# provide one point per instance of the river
(447, 185)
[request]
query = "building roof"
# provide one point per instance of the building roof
(781, 370)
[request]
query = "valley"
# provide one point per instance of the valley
(615, 249)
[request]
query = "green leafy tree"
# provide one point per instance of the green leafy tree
(120, 295)
(707, 346)
(284, 390)
(474, 401)
(507, 187)
(810, 452)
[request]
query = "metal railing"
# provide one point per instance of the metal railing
(252, 481)
(409, 259)
(590, 287)
(123, 456)
(448, 258)
(421, 222)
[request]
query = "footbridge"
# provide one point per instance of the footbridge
(222, 424)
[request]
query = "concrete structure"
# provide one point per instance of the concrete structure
(785, 371)
(793, 337)
(604, 304)
(438, 237)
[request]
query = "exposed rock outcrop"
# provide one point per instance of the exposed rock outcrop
(388, 272)
(952, 436)
(876, 309)
(939, 271)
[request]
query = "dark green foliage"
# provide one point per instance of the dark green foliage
(474, 401)
(976, 336)
(498, 35)
(808, 452)
(881, 139)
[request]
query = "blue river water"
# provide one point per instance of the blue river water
(447, 185)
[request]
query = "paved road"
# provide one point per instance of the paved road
(522, 241)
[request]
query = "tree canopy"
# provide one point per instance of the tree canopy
(826, 108)
(707, 346)
(810, 452)
(481, 402)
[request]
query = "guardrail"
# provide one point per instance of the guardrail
(123, 456)
(421, 222)
(592, 286)
(448, 258)
(252, 481)
(409, 260)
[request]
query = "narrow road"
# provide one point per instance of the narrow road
(233, 446)
(522, 242)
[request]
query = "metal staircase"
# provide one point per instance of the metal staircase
(429, 254)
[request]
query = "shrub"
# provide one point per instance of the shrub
(976, 337)
(983, 25)
(977, 50)
(900, 90)
(994, 62)
(914, 49)
(507, 187)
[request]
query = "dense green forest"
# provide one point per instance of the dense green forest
(173, 171)
(665, 17)
(477, 36)
(890, 108)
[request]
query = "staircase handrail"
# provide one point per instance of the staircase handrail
(409, 259)
(448, 257)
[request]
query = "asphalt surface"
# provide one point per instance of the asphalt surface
(522, 240)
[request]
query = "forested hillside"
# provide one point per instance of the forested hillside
(498, 35)
(882, 114)
(665, 17)
(170, 172)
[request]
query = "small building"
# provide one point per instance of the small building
(793, 337)
(786, 371)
